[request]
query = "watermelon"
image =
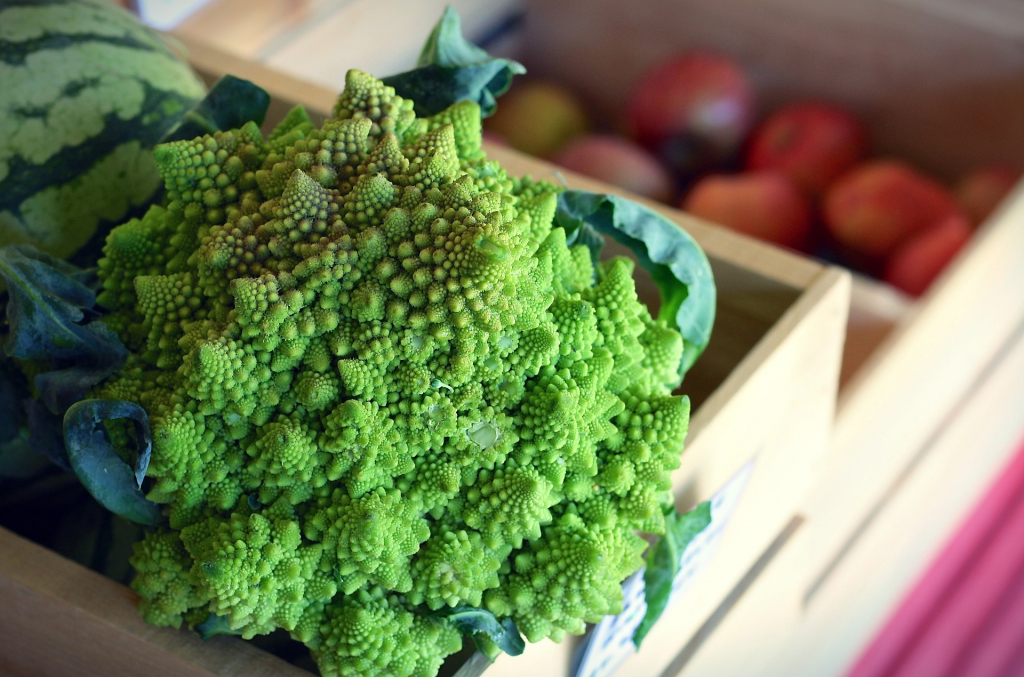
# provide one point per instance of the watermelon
(86, 92)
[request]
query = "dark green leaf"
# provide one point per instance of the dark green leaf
(472, 622)
(664, 559)
(229, 104)
(451, 69)
(48, 301)
(510, 641)
(106, 476)
(49, 313)
(674, 260)
(214, 625)
(60, 388)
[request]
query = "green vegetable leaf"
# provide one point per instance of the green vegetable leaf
(674, 260)
(663, 561)
(214, 625)
(229, 104)
(50, 313)
(474, 622)
(110, 480)
(451, 69)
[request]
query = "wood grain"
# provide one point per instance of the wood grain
(875, 311)
(917, 377)
(319, 40)
(955, 619)
(58, 618)
(772, 633)
(245, 28)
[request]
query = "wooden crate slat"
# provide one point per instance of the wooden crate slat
(58, 618)
(975, 569)
(774, 631)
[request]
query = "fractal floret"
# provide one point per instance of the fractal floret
(381, 385)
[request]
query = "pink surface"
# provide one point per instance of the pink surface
(965, 617)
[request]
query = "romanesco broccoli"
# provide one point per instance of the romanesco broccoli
(381, 384)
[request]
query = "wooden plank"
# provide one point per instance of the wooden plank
(1004, 18)
(915, 380)
(778, 629)
(875, 310)
(939, 623)
(285, 92)
(58, 618)
(382, 37)
(245, 28)
(319, 40)
(860, 593)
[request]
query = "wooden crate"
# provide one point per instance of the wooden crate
(813, 621)
(931, 397)
(763, 391)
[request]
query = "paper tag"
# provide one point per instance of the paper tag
(611, 641)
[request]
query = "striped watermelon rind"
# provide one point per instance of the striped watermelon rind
(87, 91)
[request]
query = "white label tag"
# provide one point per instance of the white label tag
(611, 641)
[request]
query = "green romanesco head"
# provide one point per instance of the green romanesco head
(380, 385)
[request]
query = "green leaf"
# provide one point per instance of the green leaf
(229, 104)
(664, 560)
(474, 622)
(214, 625)
(50, 313)
(674, 260)
(110, 480)
(451, 69)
